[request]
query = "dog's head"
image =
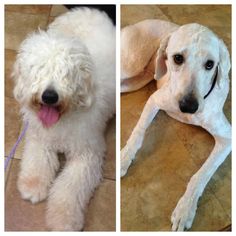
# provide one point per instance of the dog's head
(52, 76)
(195, 59)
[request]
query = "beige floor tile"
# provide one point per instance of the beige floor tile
(210, 217)
(128, 127)
(20, 147)
(109, 169)
(58, 10)
(101, 215)
(131, 15)
(182, 14)
(131, 108)
(18, 25)
(220, 185)
(21, 215)
(219, 15)
(8, 167)
(10, 56)
(29, 9)
(199, 145)
(12, 123)
(228, 103)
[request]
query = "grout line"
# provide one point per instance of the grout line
(220, 202)
(107, 178)
(49, 15)
(10, 97)
(9, 49)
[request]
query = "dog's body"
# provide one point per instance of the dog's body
(65, 83)
(192, 66)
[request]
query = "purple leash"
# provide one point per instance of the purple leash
(22, 134)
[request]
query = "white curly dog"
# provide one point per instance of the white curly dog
(191, 69)
(65, 84)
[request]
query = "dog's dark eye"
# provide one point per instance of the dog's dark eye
(209, 65)
(178, 59)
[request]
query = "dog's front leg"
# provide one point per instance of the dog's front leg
(38, 168)
(135, 140)
(183, 215)
(72, 191)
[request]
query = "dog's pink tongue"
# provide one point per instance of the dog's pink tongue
(48, 115)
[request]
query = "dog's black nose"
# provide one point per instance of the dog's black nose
(188, 104)
(50, 97)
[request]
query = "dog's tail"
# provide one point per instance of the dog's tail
(139, 44)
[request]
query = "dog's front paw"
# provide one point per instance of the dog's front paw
(126, 159)
(63, 215)
(32, 188)
(183, 215)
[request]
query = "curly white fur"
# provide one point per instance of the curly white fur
(75, 57)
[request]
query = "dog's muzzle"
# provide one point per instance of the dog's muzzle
(188, 104)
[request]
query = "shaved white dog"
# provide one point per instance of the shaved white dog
(65, 84)
(191, 69)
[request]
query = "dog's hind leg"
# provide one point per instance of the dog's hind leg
(183, 215)
(139, 81)
(134, 143)
(139, 43)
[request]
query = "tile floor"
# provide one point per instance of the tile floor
(172, 152)
(21, 215)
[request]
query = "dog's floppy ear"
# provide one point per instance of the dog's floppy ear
(224, 62)
(17, 77)
(160, 67)
(84, 78)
